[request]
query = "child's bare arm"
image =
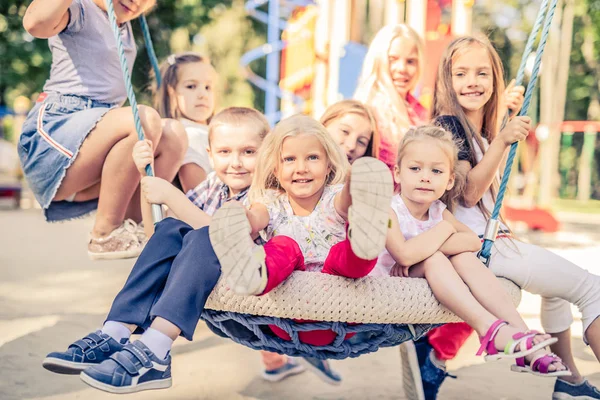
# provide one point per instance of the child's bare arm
(481, 176)
(258, 216)
(412, 251)
(464, 240)
(147, 217)
(159, 191)
(342, 200)
(46, 18)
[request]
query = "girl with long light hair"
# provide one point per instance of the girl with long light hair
(468, 102)
(391, 71)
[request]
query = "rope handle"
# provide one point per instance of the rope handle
(156, 208)
(544, 18)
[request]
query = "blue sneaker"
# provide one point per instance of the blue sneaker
(322, 369)
(421, 377)
(567, 391)
(133, 369)
(288, 369)
(91, 350)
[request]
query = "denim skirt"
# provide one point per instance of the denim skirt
(52, 134)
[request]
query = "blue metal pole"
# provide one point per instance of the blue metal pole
(272, 61)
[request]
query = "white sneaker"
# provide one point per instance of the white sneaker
(371, 188)
(242, 262)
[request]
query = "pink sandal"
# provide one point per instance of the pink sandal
(539, 366)
(526, 338)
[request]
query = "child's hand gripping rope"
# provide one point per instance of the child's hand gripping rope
(143, 155)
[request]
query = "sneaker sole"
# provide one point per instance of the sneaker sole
(65, 367)
(115, 255)
(371, 188)
(297, 369)
(411, 372)
(516, 368)
(157, 384)
(566, 396)
(242, 263)
(319, 373)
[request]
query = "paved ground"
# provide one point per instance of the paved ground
(51, 294)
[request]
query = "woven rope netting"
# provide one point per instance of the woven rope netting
(333, 298)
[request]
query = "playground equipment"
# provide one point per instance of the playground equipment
(590, 130)
(10, 185)
(326, 46)
(271, 50)
(575, 163)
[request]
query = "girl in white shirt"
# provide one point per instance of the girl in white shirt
(187, 93)
(426, 240)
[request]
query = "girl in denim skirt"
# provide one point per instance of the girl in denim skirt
(76, 144)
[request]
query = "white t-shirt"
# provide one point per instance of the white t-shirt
(315, 233)
(410, 227)
(197, 143)
(85, 57)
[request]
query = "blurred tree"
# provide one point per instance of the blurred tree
(24, 62)
(219, 28)
(584, 78)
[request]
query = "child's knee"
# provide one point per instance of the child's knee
(151, 122)
(461, 259)
(436, 261)
(464, 262)
(174, 139)
(283, 250)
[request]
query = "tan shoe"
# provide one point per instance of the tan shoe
(121, 243)
(141, 233)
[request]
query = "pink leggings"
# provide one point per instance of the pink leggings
(284, 257)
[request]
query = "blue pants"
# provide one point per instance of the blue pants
(172, 279)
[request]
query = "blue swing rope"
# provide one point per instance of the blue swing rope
(156, 208)
(542, 18)
(368, 337)
(150, 50)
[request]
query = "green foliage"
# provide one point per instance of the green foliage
(583, 87)
(24, 62)
(218, 28)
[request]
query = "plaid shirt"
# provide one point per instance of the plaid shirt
(212, 193)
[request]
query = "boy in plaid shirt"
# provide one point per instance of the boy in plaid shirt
(169, 284)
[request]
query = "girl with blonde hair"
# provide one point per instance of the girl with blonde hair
(352, 125)
(309, 217)
(391, 70)
(426, 240)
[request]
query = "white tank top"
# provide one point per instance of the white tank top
(410, 227)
